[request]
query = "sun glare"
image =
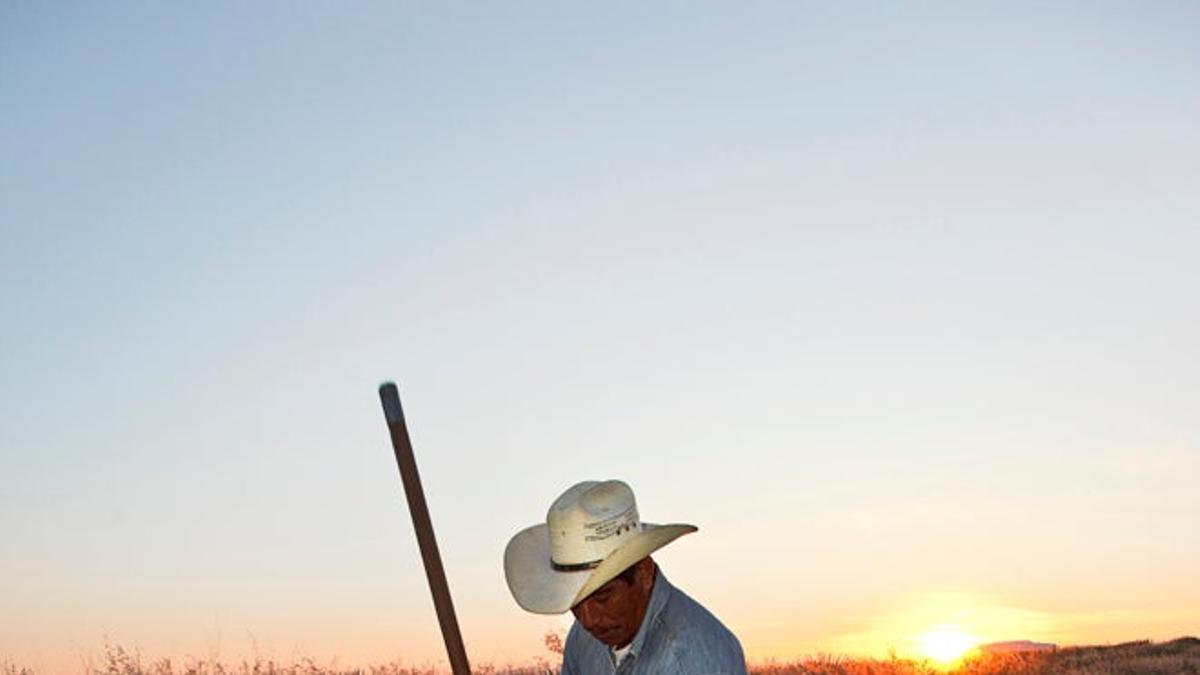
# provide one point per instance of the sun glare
(946, 644)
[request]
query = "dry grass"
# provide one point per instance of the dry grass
(1178, 657)
(118, 660)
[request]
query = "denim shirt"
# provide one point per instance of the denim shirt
(677, 637)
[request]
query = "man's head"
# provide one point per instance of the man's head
(614, 612)
(592, 534)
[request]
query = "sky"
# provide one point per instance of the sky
(896, 304)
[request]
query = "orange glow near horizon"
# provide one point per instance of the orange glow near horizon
(945, 626)
(938, 626)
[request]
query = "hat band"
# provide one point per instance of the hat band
(576, 567)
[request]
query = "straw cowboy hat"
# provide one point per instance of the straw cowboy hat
(592, 533)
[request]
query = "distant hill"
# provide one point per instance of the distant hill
(1016, 646)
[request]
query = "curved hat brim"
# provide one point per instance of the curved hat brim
(538, 587)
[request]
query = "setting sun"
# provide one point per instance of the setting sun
(946, 643)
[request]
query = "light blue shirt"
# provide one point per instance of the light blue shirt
(677, 637)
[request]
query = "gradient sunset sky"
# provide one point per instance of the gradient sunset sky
(899, 304)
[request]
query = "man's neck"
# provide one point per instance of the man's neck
(642, 609)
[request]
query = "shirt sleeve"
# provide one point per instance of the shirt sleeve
(570, 662)
(714, 659)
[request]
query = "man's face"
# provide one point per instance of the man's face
(614, 612)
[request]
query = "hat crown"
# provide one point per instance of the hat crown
(591, 520)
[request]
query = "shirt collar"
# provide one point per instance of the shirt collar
(659, 596)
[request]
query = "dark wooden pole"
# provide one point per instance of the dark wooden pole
(390, 397)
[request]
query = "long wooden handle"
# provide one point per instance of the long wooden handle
(390, 397)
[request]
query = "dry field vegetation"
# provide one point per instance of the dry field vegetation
(1177, 657)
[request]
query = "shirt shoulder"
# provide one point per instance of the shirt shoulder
(687, 639)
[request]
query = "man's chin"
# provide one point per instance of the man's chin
(611, 637)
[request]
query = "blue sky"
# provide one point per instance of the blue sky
(841, 285)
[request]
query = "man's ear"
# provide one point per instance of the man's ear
(646, 574)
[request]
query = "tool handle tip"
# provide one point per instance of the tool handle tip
(390, 395)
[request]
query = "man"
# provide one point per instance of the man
(592, 556)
